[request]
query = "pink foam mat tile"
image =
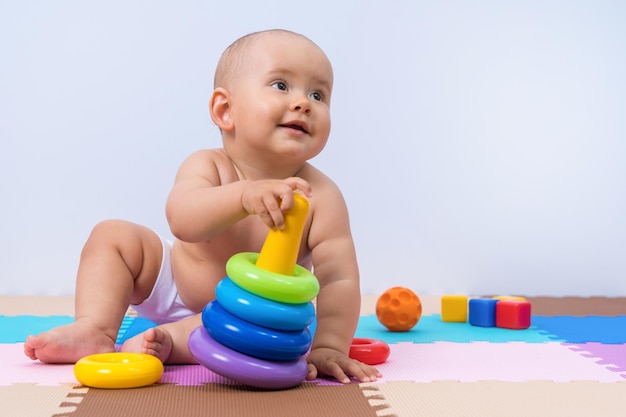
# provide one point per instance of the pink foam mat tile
(483, 361)
(611, 356)
(17, 368)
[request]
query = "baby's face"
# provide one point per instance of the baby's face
(280, 98)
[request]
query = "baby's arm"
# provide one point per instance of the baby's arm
(339, 299)
(208, 197)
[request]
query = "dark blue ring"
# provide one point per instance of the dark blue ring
(251, 339)
(244, 368)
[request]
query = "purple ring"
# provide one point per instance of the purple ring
(242, 368)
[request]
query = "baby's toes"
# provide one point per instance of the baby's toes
(151, 343)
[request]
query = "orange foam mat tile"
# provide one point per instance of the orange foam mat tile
(497, 399)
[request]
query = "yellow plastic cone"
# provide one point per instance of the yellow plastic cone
(280, 250)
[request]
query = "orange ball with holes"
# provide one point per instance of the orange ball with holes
(398, 309)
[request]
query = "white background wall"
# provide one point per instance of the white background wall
(480, 144)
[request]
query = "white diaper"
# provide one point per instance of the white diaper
(164, 304)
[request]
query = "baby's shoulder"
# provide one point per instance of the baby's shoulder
(216, 154)
(212, 159)
(213, 164)
(316, 177)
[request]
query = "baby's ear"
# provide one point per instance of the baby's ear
(219, 107)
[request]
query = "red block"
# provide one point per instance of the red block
(512, 314)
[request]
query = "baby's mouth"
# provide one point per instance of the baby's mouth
(302, 127)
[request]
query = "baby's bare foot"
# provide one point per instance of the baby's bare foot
(69, 343)
(155, 341)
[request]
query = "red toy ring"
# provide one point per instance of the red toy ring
(369, 351)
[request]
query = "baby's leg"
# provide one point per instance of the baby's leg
(118, 266)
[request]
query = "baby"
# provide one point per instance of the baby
(271, 102)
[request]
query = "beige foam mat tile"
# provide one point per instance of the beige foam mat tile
(37, 305)
(497, 399)
(26, 400)
(41, 306)
(431, 304)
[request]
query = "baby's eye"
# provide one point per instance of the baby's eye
(317, 96)
(281, 85)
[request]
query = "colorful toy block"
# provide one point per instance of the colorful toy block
(454, 308)
(482, 312)
(513, 314)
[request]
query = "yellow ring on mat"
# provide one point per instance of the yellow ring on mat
(118, 370)
(299, 288)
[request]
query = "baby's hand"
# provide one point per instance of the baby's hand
(329, 362)
(270, 198)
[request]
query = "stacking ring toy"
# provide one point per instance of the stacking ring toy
(250, 339)
(296, 289)
(262, 311)
(369, 351)
(243, 368)
(279, 253)
(118, 370)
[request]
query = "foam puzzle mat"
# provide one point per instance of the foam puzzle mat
(570, 362)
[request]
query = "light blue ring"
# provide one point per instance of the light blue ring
(262, 311)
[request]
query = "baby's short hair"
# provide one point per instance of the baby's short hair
(233, 56)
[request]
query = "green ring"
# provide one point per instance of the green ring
(302, 287)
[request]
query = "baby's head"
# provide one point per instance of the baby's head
(272, 94)
(234, 59)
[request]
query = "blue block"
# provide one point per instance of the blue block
(482, 312)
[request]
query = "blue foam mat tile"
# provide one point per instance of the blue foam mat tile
(132, 326)
(607, 330)
(15, 329)
(431, 329)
